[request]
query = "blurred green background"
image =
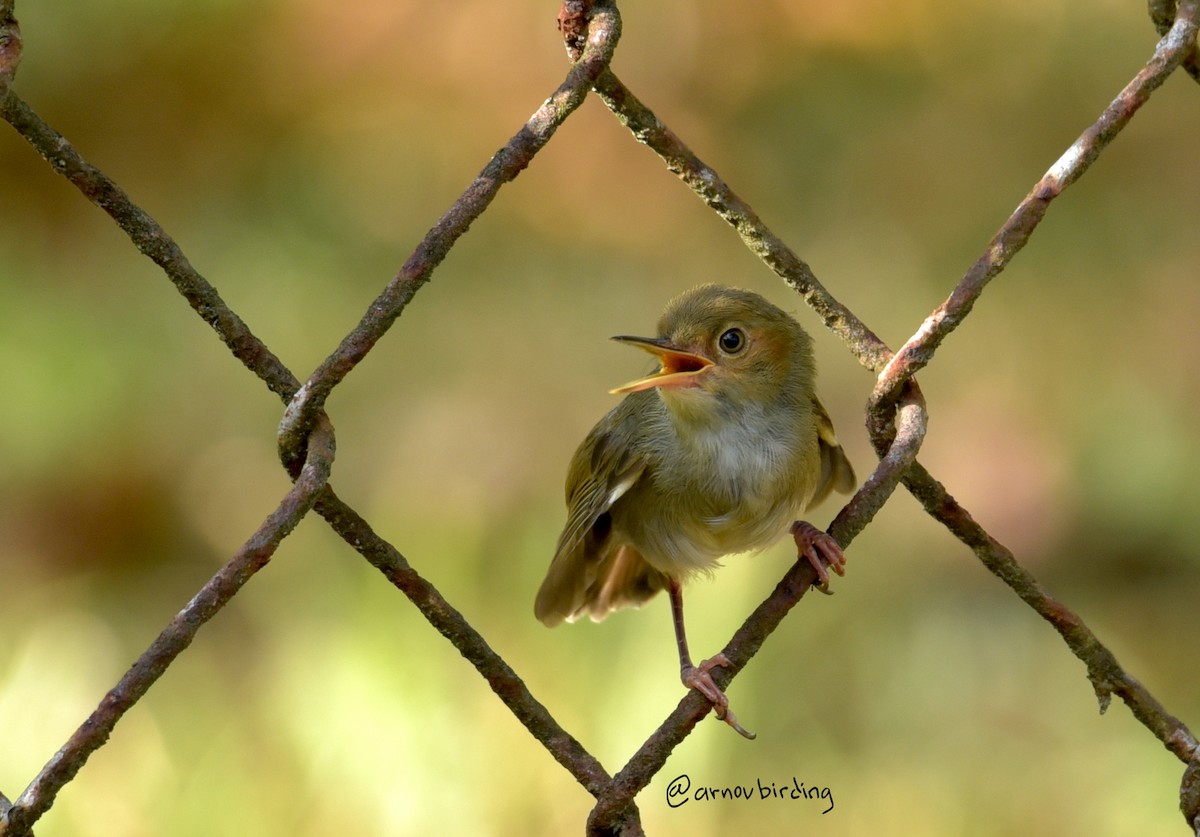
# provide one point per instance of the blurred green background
(299, 150)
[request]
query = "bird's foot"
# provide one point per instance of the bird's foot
(699, 678)
(821, 550)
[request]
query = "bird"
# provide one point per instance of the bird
(716, 452)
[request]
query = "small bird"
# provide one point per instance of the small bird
(714, 453)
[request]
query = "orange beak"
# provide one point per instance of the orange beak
(679, 368)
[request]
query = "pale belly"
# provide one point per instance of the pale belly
(745, 494)
(684, 547)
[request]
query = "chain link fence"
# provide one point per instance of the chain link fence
(896, 414)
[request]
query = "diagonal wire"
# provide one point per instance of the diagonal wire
(896, 422)
(612, 809)
(603, 32)
(469, 642)
(1105, 672)
(600, 36)
(1164, 14)
(173, 639)
(1177, 44)
(649, 130)
(153, 241)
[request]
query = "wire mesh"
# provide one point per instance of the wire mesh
(896, 413)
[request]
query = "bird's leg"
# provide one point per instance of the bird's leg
(821, 550)
(698, 677)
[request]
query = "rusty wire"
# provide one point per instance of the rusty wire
(896, 411)
(177, 636)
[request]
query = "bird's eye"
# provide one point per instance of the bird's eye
(732, 341)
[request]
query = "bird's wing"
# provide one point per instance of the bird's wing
(836, 471)
(590, 573)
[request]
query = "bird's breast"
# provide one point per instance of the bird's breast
(725, 489)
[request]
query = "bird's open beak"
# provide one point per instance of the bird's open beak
(679, 368)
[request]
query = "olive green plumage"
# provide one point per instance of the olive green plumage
(695, 463)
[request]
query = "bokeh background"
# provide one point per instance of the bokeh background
(298, 150)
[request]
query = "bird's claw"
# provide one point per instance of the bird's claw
(821, 550)
(699, 678)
